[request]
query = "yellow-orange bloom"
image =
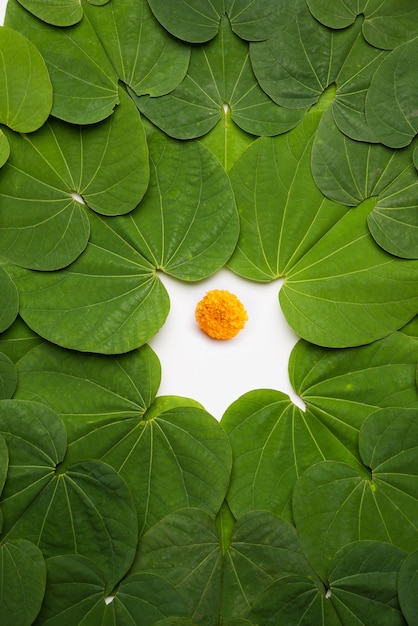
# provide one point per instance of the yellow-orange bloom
(220, 314)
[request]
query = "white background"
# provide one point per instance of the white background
(215, 373)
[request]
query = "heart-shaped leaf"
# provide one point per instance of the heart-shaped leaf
(391, 99)
(333, 505)
(44, 223)
(84, 82)
(386, 24)
(304, 59)
(22, 582)
(24, 83)
(144, 56)
(197, 104)
(8, 379)
(89, 505)
(108, 301)
(350, 171)
(9, 299)
(76, 594)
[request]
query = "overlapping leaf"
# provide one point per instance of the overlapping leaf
(18, 339)
(304, 58)
(43, 225)
(273, 441)
(4, 149)
(110, 300)
(24, 83)
(408, 586)
(125, 43)
(340, 288)
(391, 100)
(76, 594)
(349, 172)
(8, 379)
(196, 105)
(9, 299)
(333, 505)
(22, 582)
(386, 24)
(85, 510)
(171, 453)
(57, 13)
(199, 22)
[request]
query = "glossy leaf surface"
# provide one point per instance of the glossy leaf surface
(24, 83)
(196, 105)
(333, 502)
(22, 581)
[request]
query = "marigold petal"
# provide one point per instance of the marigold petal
(220, 314)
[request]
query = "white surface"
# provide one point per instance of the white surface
(215, 373)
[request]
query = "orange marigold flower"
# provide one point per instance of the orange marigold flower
(220, 314)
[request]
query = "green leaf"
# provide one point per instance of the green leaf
(362, 582)
(84, 82)
(18, 339)
(24, 83)
(4, 148)
(89, 391)
(348, 172)
(4, 466)
(196, 24)
(196, 240)
(386, 24)
(196, 105)
(108, 301)
(55, 12)
(9, 299)
(22, 582)
(408, 586)
(144, 56)
(333, 505)
(181, 454)
(390, 104)
(8, 378)
(87, 510)
(76, 594)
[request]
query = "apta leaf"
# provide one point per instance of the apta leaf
(86, 510)
(197, 104)
(24, 83)
(22, 582)
(9, 299)
(348, 172)
(4, 148)
(144, 56)
(18, 339)
(333, 505)
(108, 301)
(8, 379)
(408, 586)
(56, 12)
(386, 24)
(76, 594)
(84, 82)
(391, 100)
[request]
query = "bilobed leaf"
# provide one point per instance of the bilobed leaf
(18, 339)
(56, 12)
(362, 580)
(22, 582)
(8, 379)
(85, 84)
(88, 389)
(196, 105)
(24, 83)
(76, 594)
(187, 224)
(9, 299)
(386, 24)
(108, 301)
(348, 172)
(85, 510)
(195, 23)
(408, 586)
(143, 54)
(390, 103)
(333, 505)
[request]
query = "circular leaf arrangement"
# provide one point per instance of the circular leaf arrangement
(275, 139)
